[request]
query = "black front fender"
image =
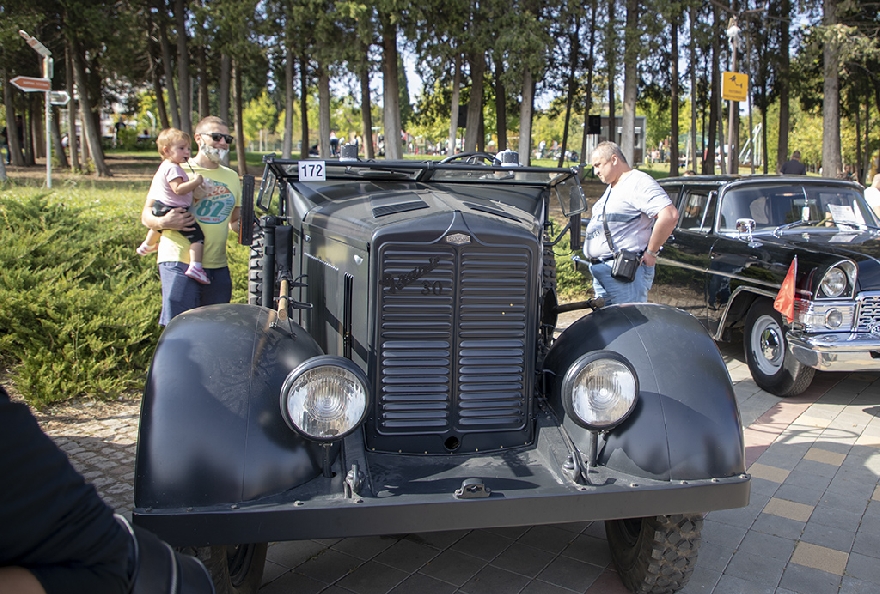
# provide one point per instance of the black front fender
(686, 423)
(211, 430)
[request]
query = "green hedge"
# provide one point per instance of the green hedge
(78, 308)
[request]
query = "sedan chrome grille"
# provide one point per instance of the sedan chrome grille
(868, 316)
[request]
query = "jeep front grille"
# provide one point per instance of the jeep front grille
(453, 339)
(868, 316)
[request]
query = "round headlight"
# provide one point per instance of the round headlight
(834, 282)
(600, 390)
(833, 318)
(325, 398)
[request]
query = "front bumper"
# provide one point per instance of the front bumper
(413, 494)
(836, 352)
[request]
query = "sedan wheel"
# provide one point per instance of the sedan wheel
(773, 366)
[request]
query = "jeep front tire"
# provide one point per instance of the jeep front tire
(235, 569)
(655, 555)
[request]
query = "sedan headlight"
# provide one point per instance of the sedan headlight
(833, 283)
(600, 390)
(325, 398)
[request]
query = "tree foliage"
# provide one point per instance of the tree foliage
(508, 51)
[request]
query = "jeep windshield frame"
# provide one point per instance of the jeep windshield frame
(289, 170)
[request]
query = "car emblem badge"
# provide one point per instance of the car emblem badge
(458, 238)
(874, 328)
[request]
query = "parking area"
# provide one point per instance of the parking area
(813, 524)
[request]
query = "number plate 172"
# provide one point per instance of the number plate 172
(312, 171)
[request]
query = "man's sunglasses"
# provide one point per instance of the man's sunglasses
(216, 137)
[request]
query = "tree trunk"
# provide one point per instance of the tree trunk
(475, 104)
(575, 45)
(35, 137)
(225, 83)
(591, 66)
(204, 89)
(304, 107)
(630, 82)
(323, 112)
(366, 107)
(525, 118)
(183, 68)
(673, 110)
(287, 149)
(72, 136)
(714, 106)
(692, 50)
(169, 73)
(12, 126)
(782, 82)
(240, 149)
(611, 61)
(500, 106)
(90, 128)
(60, 153)
(391, 90)
(831, 161)
(28, 140)
(456, 99)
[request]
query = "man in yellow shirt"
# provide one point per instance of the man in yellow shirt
(217, 211)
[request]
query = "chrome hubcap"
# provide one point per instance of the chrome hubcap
(768, 345)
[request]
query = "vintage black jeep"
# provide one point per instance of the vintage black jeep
(396, 372)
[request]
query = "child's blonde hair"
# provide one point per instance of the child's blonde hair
(170, 136)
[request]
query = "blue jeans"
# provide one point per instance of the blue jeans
(181, 293)
(617, 292)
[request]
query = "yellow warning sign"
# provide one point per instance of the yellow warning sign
(735, 86)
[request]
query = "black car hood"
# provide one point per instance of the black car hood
(862, 247)
(856, 245)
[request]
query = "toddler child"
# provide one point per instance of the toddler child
(170, 189)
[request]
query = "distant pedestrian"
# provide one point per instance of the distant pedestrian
(793, 166)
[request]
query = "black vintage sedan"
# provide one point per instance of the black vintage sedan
(735, 242)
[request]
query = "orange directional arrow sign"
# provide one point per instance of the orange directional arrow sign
(26, 83)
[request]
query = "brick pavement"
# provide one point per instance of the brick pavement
(813, 524)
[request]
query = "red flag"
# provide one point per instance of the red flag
(784, 302)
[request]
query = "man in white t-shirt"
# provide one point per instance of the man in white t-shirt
(872, 195)
(640, 218)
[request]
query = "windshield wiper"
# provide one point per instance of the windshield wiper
(786, 226)
(378, 173)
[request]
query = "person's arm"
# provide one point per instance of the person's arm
(663, 226)
(178, 219)
(180, 188)
(20, 581)
(235, 219)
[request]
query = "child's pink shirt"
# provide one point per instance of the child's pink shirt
(160, 188)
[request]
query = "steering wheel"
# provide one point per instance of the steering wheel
(472, 157)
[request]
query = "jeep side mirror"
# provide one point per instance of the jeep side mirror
(571, 197)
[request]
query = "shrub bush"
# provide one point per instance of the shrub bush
(79, 308)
